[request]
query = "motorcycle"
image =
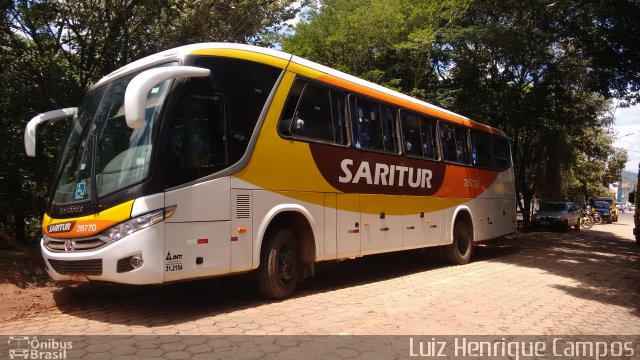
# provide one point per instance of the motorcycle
(586, 222)
(595, 216)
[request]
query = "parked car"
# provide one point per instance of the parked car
(604, 209)
(561, 215)
(613, 210)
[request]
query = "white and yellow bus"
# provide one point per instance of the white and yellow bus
(215, 159)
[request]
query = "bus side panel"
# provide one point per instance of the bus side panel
(504, 211)
(436, 223)
(348, 225)
(484, 219)
(504, 205)
(206, 201)
(330, 227)
(199, 228)
(415, 230)
(186, 242)
(241, 230)
(381, 230)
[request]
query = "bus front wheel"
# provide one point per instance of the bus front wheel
(459, 252)
(278, 270)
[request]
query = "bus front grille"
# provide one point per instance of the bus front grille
(58, 245)
(86, 267)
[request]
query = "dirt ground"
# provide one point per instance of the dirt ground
(25, 288)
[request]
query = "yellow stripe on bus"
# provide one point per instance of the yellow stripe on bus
(244, 54)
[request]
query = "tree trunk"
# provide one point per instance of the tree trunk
(15, 243)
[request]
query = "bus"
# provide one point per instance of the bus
(215, 159)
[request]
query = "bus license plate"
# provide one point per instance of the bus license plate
(79, 277)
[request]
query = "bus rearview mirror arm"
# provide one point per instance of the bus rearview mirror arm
(135, 97)
(32, 126)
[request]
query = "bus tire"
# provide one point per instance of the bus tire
(459, 252)
(278, 271)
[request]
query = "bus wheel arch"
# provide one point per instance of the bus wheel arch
(286, 222)
(462, 235)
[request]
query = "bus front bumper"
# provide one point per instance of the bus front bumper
(112, 262)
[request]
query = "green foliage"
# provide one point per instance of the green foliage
(52, 51)
(385, 41)
(543, 71)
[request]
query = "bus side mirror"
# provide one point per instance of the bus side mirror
(135, 97)
(32, 126)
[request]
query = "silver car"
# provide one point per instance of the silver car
(561, 215)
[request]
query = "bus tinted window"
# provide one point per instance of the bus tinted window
(314, 112)
(197, 141)
(501, 153)
(290, 106)
(411, 133)
(215, 117)
(338, 107)
(454, 143)
(419, 135)
(373, 125)
(448, 141)
(313, 115)
(480, 149)
(462, 147)
(246, 85)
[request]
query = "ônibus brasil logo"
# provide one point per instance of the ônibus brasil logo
(24, 347)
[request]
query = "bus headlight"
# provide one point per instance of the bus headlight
(128, 227)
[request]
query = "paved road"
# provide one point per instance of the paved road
(576, 282)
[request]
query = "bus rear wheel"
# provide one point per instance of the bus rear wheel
(459, 252)
(278, 271)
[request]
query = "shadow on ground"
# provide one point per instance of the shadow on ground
(605, 265)
(186, 301)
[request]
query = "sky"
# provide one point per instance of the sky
(627, 125)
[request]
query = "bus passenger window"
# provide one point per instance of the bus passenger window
(419, 135)
(314, 112)
(373, 125)
(411, 133)
(428, 135)
(480, 149)
(448, 140)
(313, 115)
(462, 147)
(338, 109)
(290, 107)
(387, 117)
(501, 153)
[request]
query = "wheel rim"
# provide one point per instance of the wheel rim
(286, 264)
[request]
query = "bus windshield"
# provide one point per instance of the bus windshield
(102, 151)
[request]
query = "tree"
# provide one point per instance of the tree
(384, 41)
(519, 67)
(529, 68)
(52, 51)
